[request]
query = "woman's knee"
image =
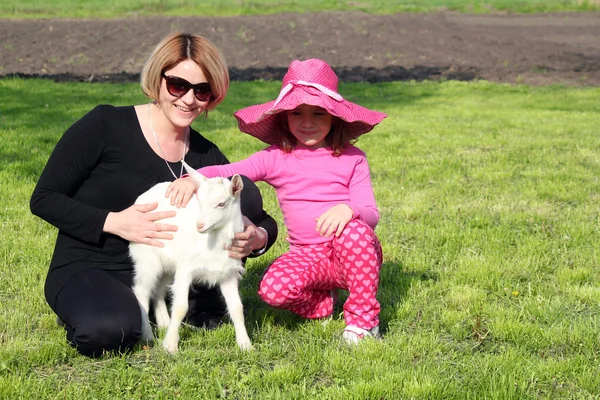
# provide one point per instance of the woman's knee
(96, 335)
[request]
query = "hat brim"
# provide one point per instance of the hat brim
(260, 120)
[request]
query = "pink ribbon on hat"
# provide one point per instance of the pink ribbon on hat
(286, 89)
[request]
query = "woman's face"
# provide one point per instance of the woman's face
(309, 125)
(181, 111)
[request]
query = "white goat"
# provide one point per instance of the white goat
(195, 254)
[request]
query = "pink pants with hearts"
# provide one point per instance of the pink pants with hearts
(301, 280)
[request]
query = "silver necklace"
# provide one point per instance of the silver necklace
(162, 153)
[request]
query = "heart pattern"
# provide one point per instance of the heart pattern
(302, 279)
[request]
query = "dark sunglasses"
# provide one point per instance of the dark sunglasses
(178, 87)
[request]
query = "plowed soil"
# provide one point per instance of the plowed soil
(536, 49)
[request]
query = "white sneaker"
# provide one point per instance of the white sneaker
(355, 335)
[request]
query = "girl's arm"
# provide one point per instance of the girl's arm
(361, 205)
(362, 198)
(254, 168)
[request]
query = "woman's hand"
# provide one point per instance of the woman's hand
(181, 191)
(138, 224)
(245, 242)
(334, 220)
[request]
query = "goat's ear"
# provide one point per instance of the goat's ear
(193, 173)
(236, 185)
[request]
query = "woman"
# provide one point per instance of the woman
(102, 164)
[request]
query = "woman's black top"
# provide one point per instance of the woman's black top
(102, 164)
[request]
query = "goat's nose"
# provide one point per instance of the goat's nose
(199, 226)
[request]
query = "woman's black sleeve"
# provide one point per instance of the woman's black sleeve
(75, 156)
(269, 224)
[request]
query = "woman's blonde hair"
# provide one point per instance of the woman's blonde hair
(337, 139)
(177, 47)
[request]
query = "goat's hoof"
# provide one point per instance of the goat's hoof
(162, 321)
(245, 345)
(163, 324)
(171, 348)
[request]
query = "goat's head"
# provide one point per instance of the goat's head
(218, 200)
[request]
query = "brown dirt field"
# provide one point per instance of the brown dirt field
(536, 49)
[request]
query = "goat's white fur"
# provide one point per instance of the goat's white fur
(195, 254)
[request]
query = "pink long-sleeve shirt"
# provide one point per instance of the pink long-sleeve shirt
(308, 182)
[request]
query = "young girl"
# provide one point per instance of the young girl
(324, 189)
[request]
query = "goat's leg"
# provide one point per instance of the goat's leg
(161, 312)
(180, 291)
(143, 283)
(143, 296)
(230, 291)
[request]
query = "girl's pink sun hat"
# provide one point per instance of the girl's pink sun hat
(311, 82)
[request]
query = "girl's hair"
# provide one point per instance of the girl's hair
(177, 47)
(337, 139)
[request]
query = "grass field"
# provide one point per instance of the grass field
(118, 8)
(490, 199)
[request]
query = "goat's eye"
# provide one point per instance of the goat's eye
(221, 205)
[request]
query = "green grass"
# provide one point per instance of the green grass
(118, 8)
(489, 197)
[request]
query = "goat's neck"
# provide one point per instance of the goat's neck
(227, 231)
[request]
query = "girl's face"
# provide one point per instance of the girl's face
(309, 125)
(183, 109)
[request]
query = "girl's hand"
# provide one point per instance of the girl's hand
(181, 191)
(138, 224)
(245, 242)
(334, 220)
